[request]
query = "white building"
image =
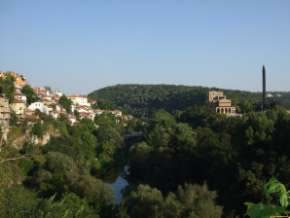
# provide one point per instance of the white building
(59, 94)
(39, 106)
(42, 92)
(80, 100)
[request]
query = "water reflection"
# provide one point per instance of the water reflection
(119, 184)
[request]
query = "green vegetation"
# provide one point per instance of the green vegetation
(65, 103)
(61, 179)
(236, 156)
(183, 162)
(273, 187)
(190, 201)
(7, 87)
(144, 100)
(30, 94)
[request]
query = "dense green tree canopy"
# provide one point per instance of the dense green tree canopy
(190, 201)
(168, 157)
(30, 94)
(65, 103)
(7, 87)
(234, 155)
(145, 100)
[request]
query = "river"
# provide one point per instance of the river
(119, 184)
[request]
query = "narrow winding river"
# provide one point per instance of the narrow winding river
(119, 184)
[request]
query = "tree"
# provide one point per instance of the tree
(17, 202)
(38, 129)
(259, 128)
(198, 201)
(190, 201)
(69, 206)
(149, 201)
(30, 94)
(109, 140)
(260, 210)
(7, 87)
(13, 119)
(65, 103)
(247, 106)
(104, 105)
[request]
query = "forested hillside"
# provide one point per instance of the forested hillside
(195, 163)
(144, 100)
(233, 156)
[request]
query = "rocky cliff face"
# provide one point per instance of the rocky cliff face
(4, 130)
(42, 140)
(16, 137)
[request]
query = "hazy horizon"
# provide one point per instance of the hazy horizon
(81, 46)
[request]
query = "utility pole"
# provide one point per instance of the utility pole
(264, 88)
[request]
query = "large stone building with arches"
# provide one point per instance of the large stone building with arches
(221, 103)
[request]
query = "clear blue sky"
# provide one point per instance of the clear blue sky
(79, 46)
